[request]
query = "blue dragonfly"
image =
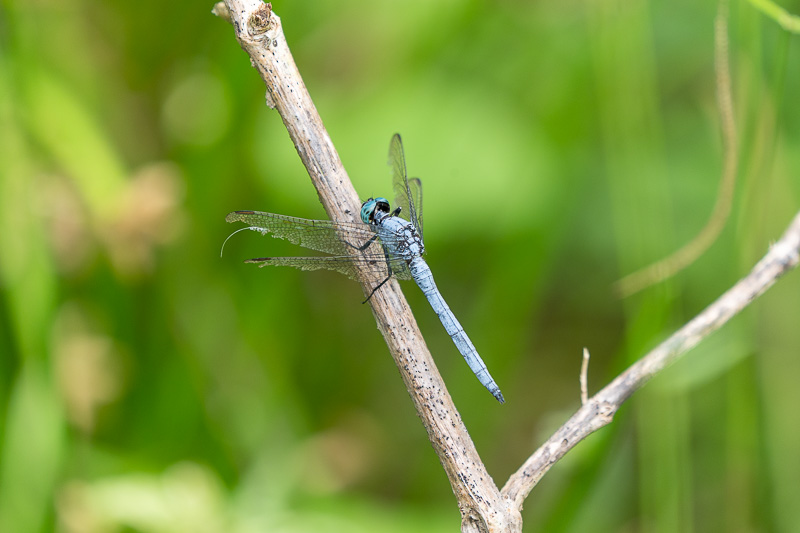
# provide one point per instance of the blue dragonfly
(385, 243)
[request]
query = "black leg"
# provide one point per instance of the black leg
(378, 287)
(363, 246)
(388, 277)
(367, 245)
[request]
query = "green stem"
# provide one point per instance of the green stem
(787, 21)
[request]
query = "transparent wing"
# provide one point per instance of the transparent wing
(415, 187)
(348, 244)
(402, 191)
(344, 264)
(335, 238)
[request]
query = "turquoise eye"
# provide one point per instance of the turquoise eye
(366, 210)
(372, 206)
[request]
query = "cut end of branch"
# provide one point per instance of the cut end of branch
(222, 11)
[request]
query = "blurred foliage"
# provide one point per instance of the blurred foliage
(148, 385)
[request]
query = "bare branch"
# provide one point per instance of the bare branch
(600, 409)
(260, 34)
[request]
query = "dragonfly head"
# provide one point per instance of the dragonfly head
(371, 208)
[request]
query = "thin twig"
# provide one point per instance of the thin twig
(688, 254)
(584, 378)
(600, 409)
(260, 34)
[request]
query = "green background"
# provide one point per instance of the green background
(148, 385)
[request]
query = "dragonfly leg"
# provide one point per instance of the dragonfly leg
(388, 277)
(378, 287)
(363, 246)
(368, 243)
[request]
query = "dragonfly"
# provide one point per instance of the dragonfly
(384, 242)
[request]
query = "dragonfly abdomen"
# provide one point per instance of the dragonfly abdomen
(424, 278)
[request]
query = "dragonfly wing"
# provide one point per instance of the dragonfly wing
(400, 269)
(402, 190)
(344, 264)
(415, 189)
(336, 238)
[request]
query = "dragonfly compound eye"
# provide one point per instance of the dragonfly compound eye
(382, 204)
(371, 207)
(367, 208)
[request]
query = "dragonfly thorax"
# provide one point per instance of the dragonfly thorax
(374, 209)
